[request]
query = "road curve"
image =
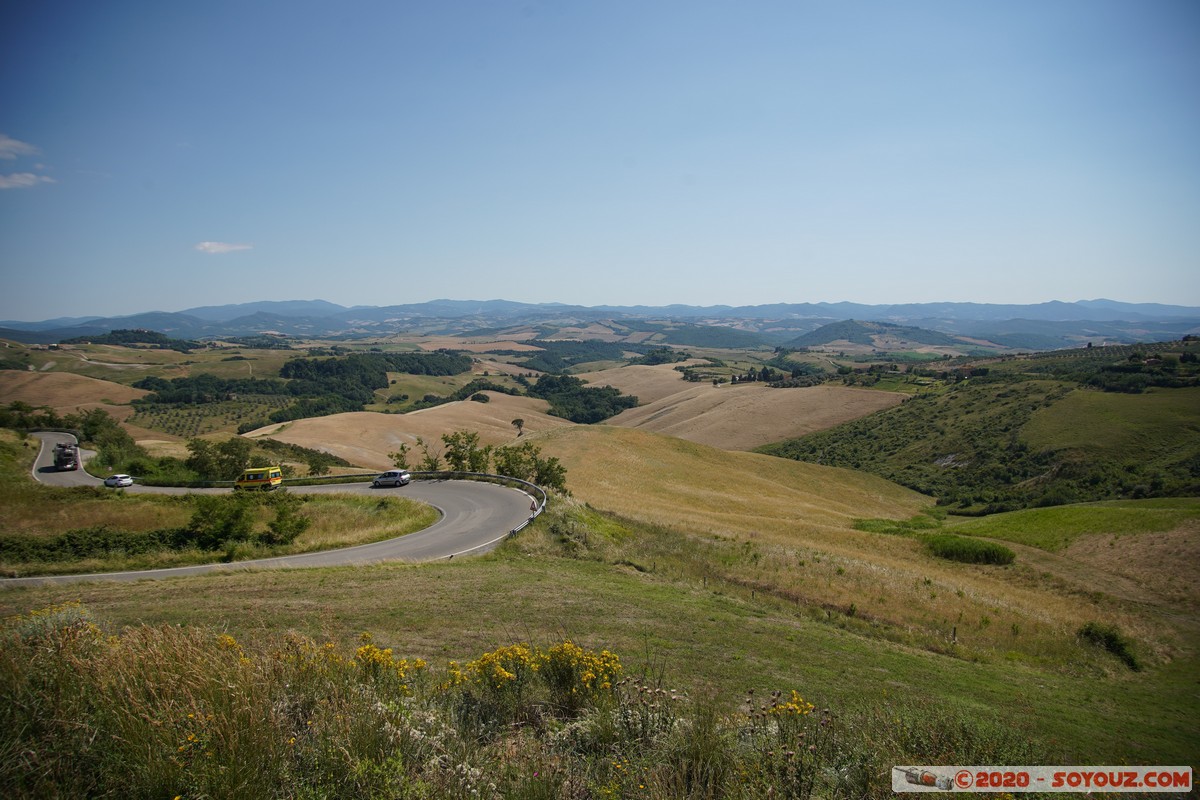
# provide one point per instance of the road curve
(476, 516)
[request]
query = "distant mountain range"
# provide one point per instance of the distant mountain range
(1036, 327)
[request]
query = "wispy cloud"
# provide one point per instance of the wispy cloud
(217, 248)
(10, 148)
(22, 180)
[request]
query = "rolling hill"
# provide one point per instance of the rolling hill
(365, 438)
(732, 417)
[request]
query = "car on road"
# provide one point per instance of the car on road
(393, 477)
(118, 480)
(264, 478)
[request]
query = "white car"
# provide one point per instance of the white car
(118, 480)
(393, 477)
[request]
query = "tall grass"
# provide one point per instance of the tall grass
(191, 712)
(968, 550)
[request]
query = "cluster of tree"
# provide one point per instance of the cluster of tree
(224, 461)
(281, 451)
(1169, 372)
(662, 355)
(1123, 368)
(223, 520)
(570, 398)
(371, 369)
(798, 380)
(461, 451)
(559, 356)
(700, 374)
(206, 388)
(469, 391)
(115, 449)
(765, 375)
(321, 386)
(690, 335)
(131, 336)
(265, 341)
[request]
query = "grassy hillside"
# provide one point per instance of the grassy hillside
(999, 444)
(678, 613)
(664, 480)
(1054, 529)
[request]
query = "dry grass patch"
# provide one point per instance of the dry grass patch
(646, 383)
(63, 391)
(1154, 565)
(54, 512)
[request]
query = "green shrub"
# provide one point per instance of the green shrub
(1111, 639)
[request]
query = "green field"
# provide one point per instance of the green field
(1052, 529)
(1159, 423)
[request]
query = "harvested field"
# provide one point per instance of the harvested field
(499, 367)
(745, 417)
(1158, 566)
(65, 392)
(365, 438)
(645, 383)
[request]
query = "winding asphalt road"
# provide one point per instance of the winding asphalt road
(476, 517)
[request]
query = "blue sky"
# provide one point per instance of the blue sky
(158, 156)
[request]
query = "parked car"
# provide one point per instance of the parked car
(393, 477)
(118, 480)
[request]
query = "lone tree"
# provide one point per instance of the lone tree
(519, 424)
(431, 457)
(400, 457)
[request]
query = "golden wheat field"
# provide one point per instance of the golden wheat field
(365, 438)
(734, 417)
(66, 392)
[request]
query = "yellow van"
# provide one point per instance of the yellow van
(265, 478)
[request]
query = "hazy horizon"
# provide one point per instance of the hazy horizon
(184, 309)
